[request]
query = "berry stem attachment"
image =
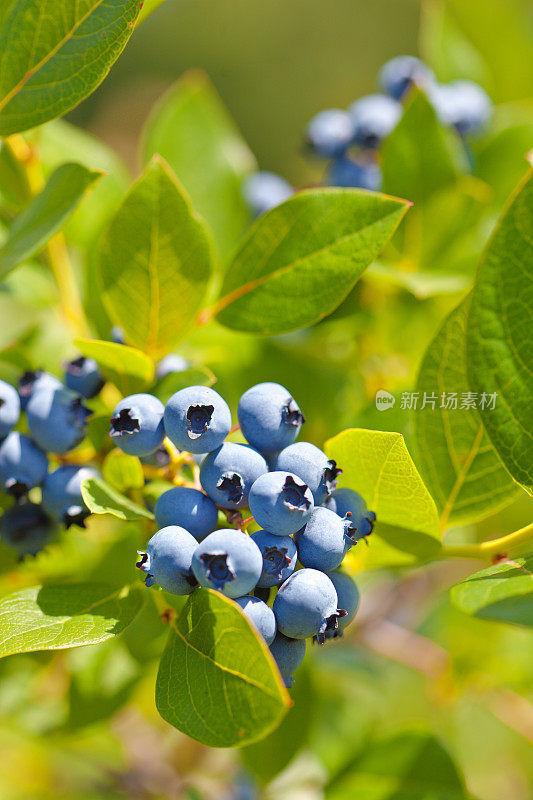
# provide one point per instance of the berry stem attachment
(491, 549)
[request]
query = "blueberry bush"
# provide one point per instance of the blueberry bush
(266, 451)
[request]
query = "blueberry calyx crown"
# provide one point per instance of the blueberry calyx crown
(331, 623)
(16, 488)
(232, 486)
(144, 564)
(349, 528)
(275, 559)
(330, 475)
(198, 420)
(75, 366)
(79, 413)
(76, 515)
(217, 569)
(294, 494)
(125, 423)
(291, 414)
(2, 402)
(26, 381)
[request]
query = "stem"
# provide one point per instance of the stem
(489, 550)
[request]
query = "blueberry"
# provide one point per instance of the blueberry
(62, 497)
(187, 508)
(288, 655)
(374, 117)
(167, 560)
(345, 501)
(260, 615)
(398, 74)
(22, 464)
(325, 540)
(137, 424)
(227, 474)
(159, 458)
(9, 408)
(347, 597)
(171, 364)
(280, 503)
(306, 605)
(228, 561)
(269, 417)
(83, 377)
(117, 335)
(330, 133)
(349, 174)
(26, 528)
(32, 380)
(279, 557)
(57, 418)
(463, 105)
(197, 419)
(311, 465)
(264, 190)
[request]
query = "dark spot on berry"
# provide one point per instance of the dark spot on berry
(125, 423)
(291, 414)
(198, 420)
(330, 475)
(15, 488)
(232, 486)
(294, 494)
(217, 569)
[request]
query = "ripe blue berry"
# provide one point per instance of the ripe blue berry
(197, 419)
(463, 105)
(26, 528)
(288, 655)
(269, 417)
(33, 380)
(374, 117)
(57, 419)
(349, 174)
(347, 598)
(9, 408)
(260, 615)
(306, 605)
(137, 424)
(187, 508)
(330, 133)
(159, 458)
(83, 377)
(264, 190)
(345, 501)
(62, 498)
(168, 558)
(228, 561)
(171, 364)
(279, 558)
(398, 74)
(22, 464)
(117, 335)
(280, 502)
(311, 465)
(325, 540)
(227, 473)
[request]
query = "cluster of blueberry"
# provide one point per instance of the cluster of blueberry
(335, 133)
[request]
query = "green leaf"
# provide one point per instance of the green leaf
(46, 214)
(500, 335)
(155, 262)
(100, 498)
(419, 158)
(377, 464)
(67, 615)
(457, 461)
(192, 130)
(147, 7)
(14, 187)
(123, 472)
(54, 54)
(129, 369)
(217, 681)
(502, 592)
(299, 261)
(174, 381)
(420, 284)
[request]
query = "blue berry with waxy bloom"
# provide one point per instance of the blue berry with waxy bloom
(23, 465)
(117, 335)
(260, 615)
(325, 540)
(269, 417)
(347, 598)
(313, 466)
(188, 508)
(280, 502)
(228, 561)
(346, 501)
(26, 528)
(346, 173)
(137, 424)
(197, 419)
(402, 72)
(9, 408)
(265, 190)
(288, 655)
(463, 105)
(168, 558)
(170, 365)
(159, 458)
(330, 133)
(57, 419)
(306, 605)
(227, 473)
(83, 376)
(62, 498)
(373, 118)
(279, 557)
(32, 380)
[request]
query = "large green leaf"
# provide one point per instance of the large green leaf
(45, 215)
(147, 7)
(217, 681)
(502, 592)
(192, 130)
(299, 261)
(100, 498)
(122, 472)
(128, 368)
(377, 464)
(459, 465)
(500, 336)
(155, 262)
(54, 54)
(67, 615)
